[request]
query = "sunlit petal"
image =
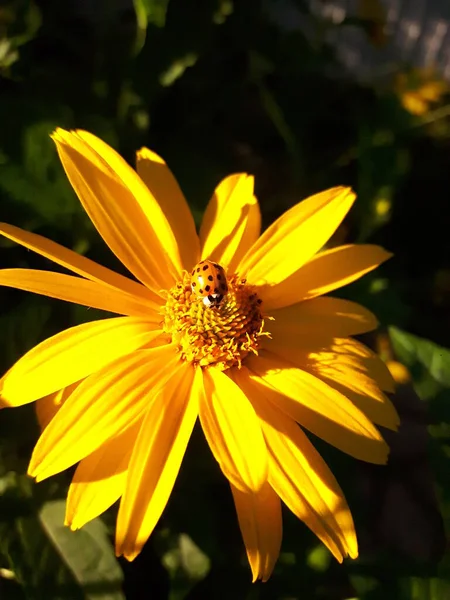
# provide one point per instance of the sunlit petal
(101, 407)
(156, 459)
(47, 407)
(233, 432)
(71, 355)
(301, 477)
(259, 516)
(100, 478)
(324, 315)
(78, 264)
(295, 237)
(347, 366)
(121, 207)
(324, 273)
(232, 221)
(164, 187)
(78, 290)
(318, 407)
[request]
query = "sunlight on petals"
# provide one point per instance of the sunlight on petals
(159, 179)
(100, 478)
(47, 407)
(260, 522)
(295, 237)
(78, 264)
(347, 366)
(318, 407)
(158, 451)
(298, 471)
(101, 407)
(233, 432)
(332, 316)
(121, 207)
(356, 384)
(79, 291)
(325, 272)
(71, 355)
(232, 221)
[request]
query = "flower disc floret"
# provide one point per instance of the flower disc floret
(221, 335)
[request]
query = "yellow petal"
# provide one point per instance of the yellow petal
(101, 407)
(77, 290)
(336, 317)
(156, 459)
(100, 479)
(78, 264)
(355, 372)
(259, 516)
(300, 476)
(121, 207)
(295, 237)
(347, 351)
(71, 355)
(318, 407)
(325, 272)
(47, 407)
(232, 221)
(346, 365)
(164, 187)
(233, 432)
(379, 410)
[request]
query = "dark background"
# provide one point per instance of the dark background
(216, 87)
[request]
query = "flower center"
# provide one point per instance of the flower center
(220, 335)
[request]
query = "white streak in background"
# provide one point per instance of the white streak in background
(333, 13)
(432, 41)
(393, 11)
(446, 73)
(350, 57)
(407, 37)
(445, 57)
(418, 30)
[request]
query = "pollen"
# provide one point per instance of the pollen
(218, 335)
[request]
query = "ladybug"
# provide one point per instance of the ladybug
(209, 282)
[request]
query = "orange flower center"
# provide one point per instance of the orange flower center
(215, 335)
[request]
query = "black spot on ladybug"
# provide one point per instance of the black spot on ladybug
(223, 287)
(201, 291)
(198, 269)
(210, 277)
(193, 284)
(207, 288)
(219, 277)
(252, 297)
(193, 271)
(259, 301)
(216, 290)
(217, 266)
(205, 267)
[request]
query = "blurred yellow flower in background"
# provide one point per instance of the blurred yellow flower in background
(419, 89)
(120, 396)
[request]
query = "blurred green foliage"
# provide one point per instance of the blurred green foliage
(215, 87)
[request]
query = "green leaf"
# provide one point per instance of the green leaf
(25, 551)
(88, 553)
(148, 12)
(413, 350)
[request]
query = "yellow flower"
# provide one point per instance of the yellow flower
(120, 396)
(419, 89)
